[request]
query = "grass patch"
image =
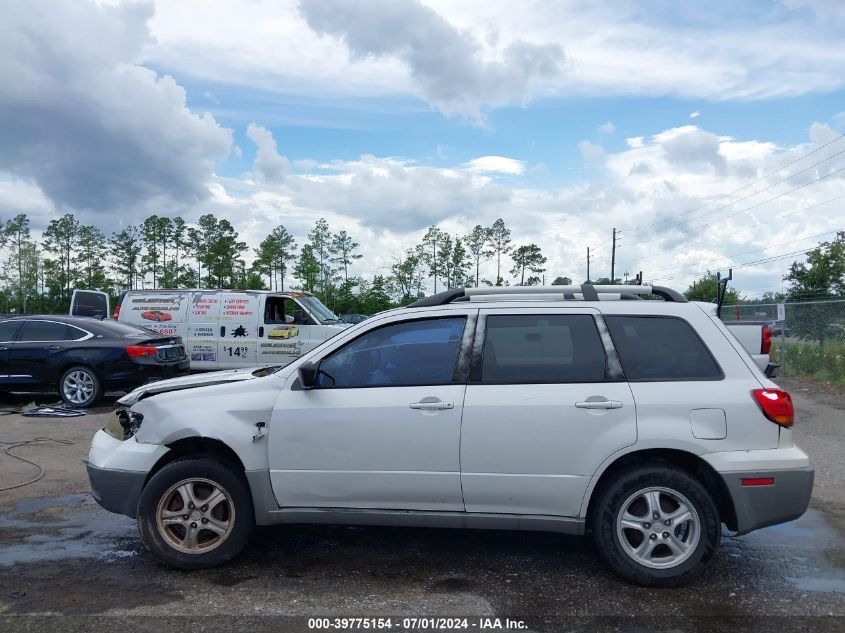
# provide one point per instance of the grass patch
(824, 363)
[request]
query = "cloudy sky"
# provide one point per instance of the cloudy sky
(708, 133)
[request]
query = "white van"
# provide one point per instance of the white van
(224, 329)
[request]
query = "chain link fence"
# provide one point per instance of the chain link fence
(808, 337)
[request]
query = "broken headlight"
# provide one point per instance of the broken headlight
(123, 424)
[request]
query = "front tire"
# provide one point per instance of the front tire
(195, 513)
(80, 387)
(656, 526)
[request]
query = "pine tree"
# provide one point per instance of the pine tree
(500, 244)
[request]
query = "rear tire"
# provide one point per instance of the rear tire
(195, 513)
(80, 387)
(656, 526)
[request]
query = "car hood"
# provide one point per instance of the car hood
(193, 381)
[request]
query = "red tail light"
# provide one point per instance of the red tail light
(776, 405)
(116, 311)
(136, 351)
(766, 343)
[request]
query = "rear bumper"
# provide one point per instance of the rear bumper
(760, 506)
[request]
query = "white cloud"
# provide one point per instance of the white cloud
(500, 164)
(446, 65)
(647, 190)
(91, 128)
(823, 8)
(695, 114)
(822, 132)
(21, 196)
(269, 165)
(607, 128)
(464, 57)
(692, 148)
(634, 141)
(592, 154)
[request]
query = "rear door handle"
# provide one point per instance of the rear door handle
(599, 404)
(53, 347)
(432, 406)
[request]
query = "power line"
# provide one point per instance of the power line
(754, 182)
(754, 206)
(730, 204)
(742, 265)
(753, 226)
(765, 248)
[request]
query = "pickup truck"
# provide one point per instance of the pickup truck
(756, 338)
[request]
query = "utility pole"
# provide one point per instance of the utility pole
(588, 264)
(613, 258)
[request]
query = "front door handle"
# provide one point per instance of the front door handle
(53, 348)
(599, 404)
(432, 406)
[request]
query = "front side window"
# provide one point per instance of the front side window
(661, 349)
(542, 348)
(402, 354)
(36, 331)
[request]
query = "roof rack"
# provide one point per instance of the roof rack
(584, 292)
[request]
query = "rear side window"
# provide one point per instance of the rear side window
(542, 348)
(402, 354)
(7, 330)
(36, 331)
(661, 349)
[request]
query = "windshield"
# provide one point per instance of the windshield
(318, 310)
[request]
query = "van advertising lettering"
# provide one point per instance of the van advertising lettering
(239, 308)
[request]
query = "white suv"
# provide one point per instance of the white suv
(643, 422)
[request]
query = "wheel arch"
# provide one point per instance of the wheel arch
(685, 460)
(198, 446)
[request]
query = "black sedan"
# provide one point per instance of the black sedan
(81, 357)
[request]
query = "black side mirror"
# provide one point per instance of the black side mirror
(308, 374)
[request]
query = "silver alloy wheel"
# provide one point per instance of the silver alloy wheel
(658, 527)
(78, 386)
(195, 515)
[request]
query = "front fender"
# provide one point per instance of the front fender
(227, 413)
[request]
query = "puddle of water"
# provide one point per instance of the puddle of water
(26, 507)
(825, 585)
(804, 545)
(87, 532)
(811, 531)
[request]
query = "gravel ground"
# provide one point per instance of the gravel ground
(61, 555)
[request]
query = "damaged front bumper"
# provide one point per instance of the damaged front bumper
(118, 470)
(117, 491)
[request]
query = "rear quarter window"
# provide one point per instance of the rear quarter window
(661, 349)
